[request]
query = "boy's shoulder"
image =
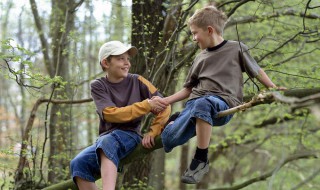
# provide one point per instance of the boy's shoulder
(98, 81)
(132, 75)
(237, 44)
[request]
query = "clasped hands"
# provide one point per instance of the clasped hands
(157, 104)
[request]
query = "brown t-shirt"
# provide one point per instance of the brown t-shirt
(122, 105)
(218, 71)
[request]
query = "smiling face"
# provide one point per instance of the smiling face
(201, 36)
(117, 67)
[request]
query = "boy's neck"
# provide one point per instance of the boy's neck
(216, 40)
(112, 79)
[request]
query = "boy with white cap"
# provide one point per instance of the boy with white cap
(121, 99)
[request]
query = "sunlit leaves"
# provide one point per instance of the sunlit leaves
(22, 68)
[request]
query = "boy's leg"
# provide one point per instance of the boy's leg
(204, 110)
(180, 131)
(85, 185)
(84, 169)
(110, 149)
(108, 172)
(203, 131)
(199, 165)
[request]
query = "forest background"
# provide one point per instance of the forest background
(49, 56)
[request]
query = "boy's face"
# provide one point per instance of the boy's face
(118, 67)
(201, 36)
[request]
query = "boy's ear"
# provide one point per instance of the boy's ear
(211, 30)
(104, 63)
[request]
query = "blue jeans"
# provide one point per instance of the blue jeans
(184, 127)
(115, 145)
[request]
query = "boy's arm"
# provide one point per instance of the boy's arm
(129, 113)
(156, 127)
(266, 81)
(178, 96)
(159, 121)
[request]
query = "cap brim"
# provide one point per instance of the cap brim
(132, 51)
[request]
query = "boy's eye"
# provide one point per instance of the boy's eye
(124, 58)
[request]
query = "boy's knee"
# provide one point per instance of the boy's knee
(77, 162)
(74, 162)
(165, 136)
(200, 102)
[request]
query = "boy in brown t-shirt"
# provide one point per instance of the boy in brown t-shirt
(214, 84)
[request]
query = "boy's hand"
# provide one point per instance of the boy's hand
(148, 141)
(282, 88)
(157, 104)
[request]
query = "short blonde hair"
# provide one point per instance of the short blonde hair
(209, 16)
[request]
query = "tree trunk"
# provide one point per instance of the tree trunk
(153, 27)
(145, 34)
(137, 173)
(156, 176)
(63, 14)
(184, 163)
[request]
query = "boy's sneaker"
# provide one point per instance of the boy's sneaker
(195, 176)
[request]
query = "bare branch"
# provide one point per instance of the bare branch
(290, 74)
(311, 177)
(294, 157)
(233, 10)
(295, 55)
(25, 139)
(171, 42)
(279, 47)
(20, 80)
(76, 5)
(257, 18)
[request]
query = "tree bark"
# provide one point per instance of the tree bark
(183, 164)
(63, 14)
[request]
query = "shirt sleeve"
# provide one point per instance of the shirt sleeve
(159, 121)
(127, 113)
(101, 96)
(192, 77)
(250, 65)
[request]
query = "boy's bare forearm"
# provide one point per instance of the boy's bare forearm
(265, 80)
(181, 95)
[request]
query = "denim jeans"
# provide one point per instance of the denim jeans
(115, 145)
(184, 127)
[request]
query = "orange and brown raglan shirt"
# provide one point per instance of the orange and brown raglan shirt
(122, 105)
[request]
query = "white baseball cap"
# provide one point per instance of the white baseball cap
(115, 48)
